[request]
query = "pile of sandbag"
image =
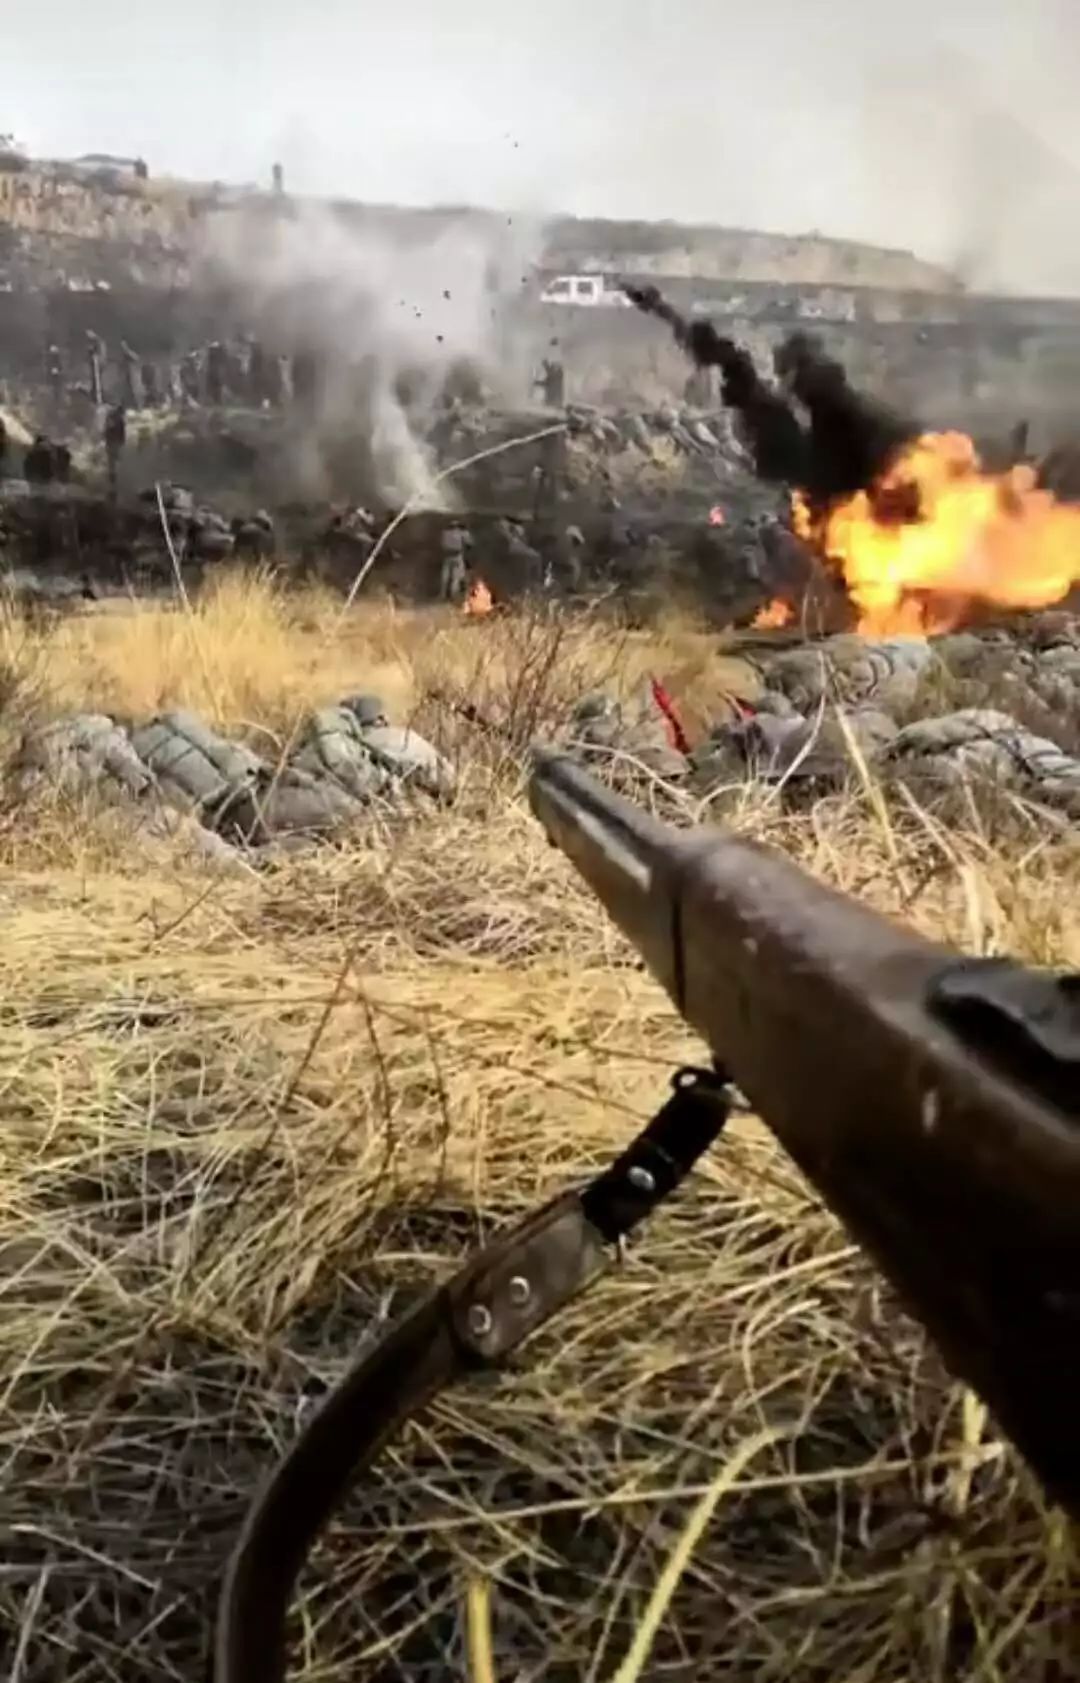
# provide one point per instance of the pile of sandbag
(345, 759)
(805, 715)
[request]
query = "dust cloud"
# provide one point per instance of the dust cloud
(392, 322)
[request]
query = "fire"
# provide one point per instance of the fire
(773, 615)
(717, 517)
(936, 533)
(479, 600)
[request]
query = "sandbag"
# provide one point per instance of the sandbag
(332, 746)
(409, 759)
(84, 751)
(193, 766)
(983, 746)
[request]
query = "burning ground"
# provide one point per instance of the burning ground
(249, 1116)
(921, 536)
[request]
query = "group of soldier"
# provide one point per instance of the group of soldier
(237, 372)
(47, 462)
(218, 373)
(553, 559)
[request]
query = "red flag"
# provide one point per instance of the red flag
(676, 734)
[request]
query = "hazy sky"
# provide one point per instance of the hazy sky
(861, 117)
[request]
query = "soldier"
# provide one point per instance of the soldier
(552, 378)
(38, 464)
(130, 377)
(61, 464)
(303, 378)
(150, 384)
(54, 373)
(568, 558)
(189, 377)
(253, 535)
(520, 564)
(215, 372)
(452, 573)
(95, 360)
(257, 382)
(115, 439)
(273, 380)
(548, 477)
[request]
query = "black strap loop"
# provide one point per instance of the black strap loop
(497, 1298)
(661, 1157)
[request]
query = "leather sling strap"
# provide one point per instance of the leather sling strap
(499, 1297)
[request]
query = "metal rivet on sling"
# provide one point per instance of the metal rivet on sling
(480, 1320)
(640, 1179)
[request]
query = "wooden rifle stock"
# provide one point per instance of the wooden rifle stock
(933, 1100)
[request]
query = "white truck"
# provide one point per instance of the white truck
(586, 291)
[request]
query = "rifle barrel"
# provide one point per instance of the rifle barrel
(931, 1100)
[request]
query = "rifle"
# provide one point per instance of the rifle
(933, 1100)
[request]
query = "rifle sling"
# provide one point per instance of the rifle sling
(498, 1298)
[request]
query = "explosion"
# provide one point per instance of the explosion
(935, 534)
(479, 601)
(773, 615)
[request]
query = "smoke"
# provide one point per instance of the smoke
(847, 440)
(851, 438)
(389, 322)
(773, 434)
(976, 168)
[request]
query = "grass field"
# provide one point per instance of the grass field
(247, 1118)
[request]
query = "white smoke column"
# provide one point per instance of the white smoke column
(380, 297)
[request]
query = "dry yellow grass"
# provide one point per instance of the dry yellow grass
(245, 1120)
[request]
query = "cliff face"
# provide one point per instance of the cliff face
(739, 254)
(80, 226)
(62, 230)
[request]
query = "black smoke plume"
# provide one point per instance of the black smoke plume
(848, 441)
(773, 434)
(852, 438)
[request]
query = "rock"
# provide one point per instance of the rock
(194, 767)
(87, 750)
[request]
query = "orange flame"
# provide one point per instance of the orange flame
(773, 615)
(936, 534)
(479, 600)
